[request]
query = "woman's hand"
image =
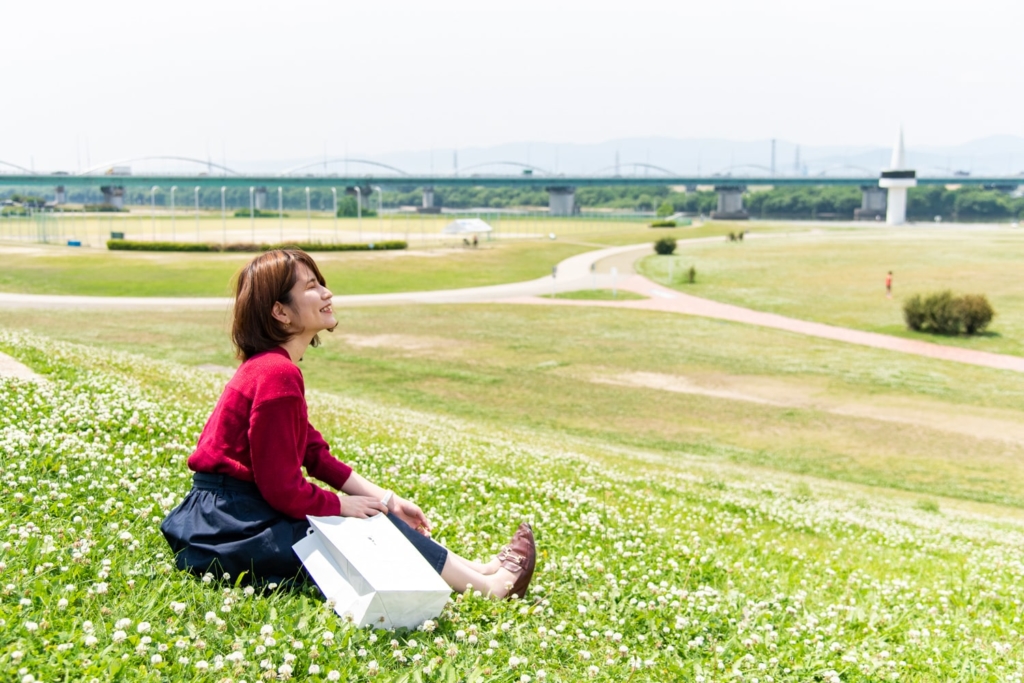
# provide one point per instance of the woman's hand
(361, 506)
(410, 513)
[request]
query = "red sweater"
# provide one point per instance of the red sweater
(260, 432)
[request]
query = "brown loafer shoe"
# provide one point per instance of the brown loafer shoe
(520, 557)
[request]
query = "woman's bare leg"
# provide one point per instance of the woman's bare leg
(458, 574)
(487, 568)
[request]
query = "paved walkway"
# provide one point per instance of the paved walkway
(601, 269)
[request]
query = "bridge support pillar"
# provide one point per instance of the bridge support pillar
(113, 195)
(363, 196)
(872, 204)
(562, 201)
(260, 199)
(428, 202)
(59, 195)
(730, 203)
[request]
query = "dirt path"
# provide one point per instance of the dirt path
(604, 268)
(671, 301)
(12, 368)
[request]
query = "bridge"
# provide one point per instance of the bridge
(561, 188)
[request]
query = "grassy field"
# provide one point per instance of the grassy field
(42, 269)
(713, 501)
(838, 277)
(653, 568)
(656, 382)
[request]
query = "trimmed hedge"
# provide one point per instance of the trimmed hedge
(259, 213)
(663, 224)
(134, 245)
(944, 313)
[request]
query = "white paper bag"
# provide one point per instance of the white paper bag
(372, 572)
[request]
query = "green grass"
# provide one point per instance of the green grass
(48, 269)
(651, 569)
(648, 381)
(597, 295)
(838, 277)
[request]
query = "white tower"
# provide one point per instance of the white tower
(896, 180)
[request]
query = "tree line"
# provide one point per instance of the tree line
(923, 203)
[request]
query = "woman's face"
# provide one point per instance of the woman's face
(310, 308)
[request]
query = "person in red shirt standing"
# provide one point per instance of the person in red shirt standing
(888, 285)
(249, 498)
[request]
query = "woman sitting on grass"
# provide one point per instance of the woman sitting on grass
(249, 498)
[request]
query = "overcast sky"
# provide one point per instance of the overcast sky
(261, 80)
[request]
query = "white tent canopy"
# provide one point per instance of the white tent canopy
(466, 226)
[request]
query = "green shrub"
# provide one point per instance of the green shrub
(663, 224)
(944, 313)
(104, 208)
(666, 209)
(258, 213)
(665, 246)
(132, 245)
(975, 313)
(914, 313)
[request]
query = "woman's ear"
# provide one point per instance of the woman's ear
(280, 313)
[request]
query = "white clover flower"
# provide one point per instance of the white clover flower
(118, 636)
(155, 659)
(31, 626)
(62, 603)
(202, 665)
(266, 630)
(373, 667)
(314, 669)
(143, 627)
(333, 675)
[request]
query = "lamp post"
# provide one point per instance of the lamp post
(280, 213)
(152, 209)
(252, 213)
(197, 213)
(334, 194)
(174, 230)
(309, 228)
(359, 211)
(380, 211)
(223, 215)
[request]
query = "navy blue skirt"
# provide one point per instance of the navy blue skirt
(225, 525)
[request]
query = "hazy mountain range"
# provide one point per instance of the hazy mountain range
(997, 155)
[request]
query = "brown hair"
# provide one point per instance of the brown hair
(262, 282)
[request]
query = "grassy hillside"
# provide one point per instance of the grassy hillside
(652, 568)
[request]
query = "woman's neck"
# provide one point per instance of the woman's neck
(296, 347)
